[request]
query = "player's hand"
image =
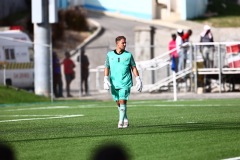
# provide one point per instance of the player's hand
(107, 84)
(139, 84)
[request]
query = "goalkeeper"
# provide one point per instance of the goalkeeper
(117, 77)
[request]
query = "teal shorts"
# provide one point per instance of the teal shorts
(120, 94)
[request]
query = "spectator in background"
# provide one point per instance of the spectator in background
(187, 35)
(84, 71)
(69, 66)
(179, 43)
(207, 50)
(185, 39)
(57, 77)
(173, 54)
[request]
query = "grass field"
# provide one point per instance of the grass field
(194, 129)
(10, 95)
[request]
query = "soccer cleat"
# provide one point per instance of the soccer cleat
(125, 124)
(120, 125)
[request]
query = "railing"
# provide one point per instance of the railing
(223, 65)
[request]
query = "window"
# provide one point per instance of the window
(9, 54)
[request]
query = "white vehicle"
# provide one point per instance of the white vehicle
(16, 62)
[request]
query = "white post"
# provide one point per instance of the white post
(80, 73)
(41, 47)
(220, 69)
(4, 74)
(174, 87)
(43, 13)
(97, 79)
(51, 66)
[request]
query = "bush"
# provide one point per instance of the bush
(75, 19)
(71, 19)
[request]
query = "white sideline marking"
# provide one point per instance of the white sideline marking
(181, 105)
(29, 115)
(191, 122)
(235, 158)
(54, 117)
(39, 108)
(94, 106)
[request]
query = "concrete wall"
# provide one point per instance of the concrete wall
(192, 8)
(144, 9)
(136, 8)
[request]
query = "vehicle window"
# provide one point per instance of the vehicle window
(9, 54)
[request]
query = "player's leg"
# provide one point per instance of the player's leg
(115, 96)
(123, 96)
(118, 104)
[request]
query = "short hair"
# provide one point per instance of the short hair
(190, 31)
(67, 54)
(120, 38)
(174, 35)
(82, 51)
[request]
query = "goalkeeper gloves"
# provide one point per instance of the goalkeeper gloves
(139, 84)
(107, 84)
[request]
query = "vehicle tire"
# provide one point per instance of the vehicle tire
(8, 82)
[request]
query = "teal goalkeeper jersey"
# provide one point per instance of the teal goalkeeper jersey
(120, 69)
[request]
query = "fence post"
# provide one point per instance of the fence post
(195, 67)
(97, 79)
(4, 74)
(220, 69)
(191, 64)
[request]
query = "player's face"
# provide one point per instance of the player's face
(121, 44)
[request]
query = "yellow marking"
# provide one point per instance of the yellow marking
(24, 65)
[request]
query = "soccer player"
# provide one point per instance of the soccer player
(118, 77)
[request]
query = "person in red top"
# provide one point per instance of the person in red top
(68, 66)
(185, 38)
(173, 54)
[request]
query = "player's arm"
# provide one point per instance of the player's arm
(138, 79)
(135, 71)
(106, 84)
(106, 71)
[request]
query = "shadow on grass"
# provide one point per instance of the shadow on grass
(158, 129)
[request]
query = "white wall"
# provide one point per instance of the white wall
(136, 8)
(193, 8)
(144, 9)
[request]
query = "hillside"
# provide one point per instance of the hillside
(10, 95)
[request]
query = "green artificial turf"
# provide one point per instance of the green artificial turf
(194, 129)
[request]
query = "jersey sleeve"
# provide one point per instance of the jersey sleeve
(132, 62)
(107, 65)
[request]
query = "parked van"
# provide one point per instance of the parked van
(16, 59)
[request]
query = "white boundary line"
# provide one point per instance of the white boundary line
(32, 119)
(113, 105)
(29, 115)
(234, 158)
(39, 108)
(185, 105)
